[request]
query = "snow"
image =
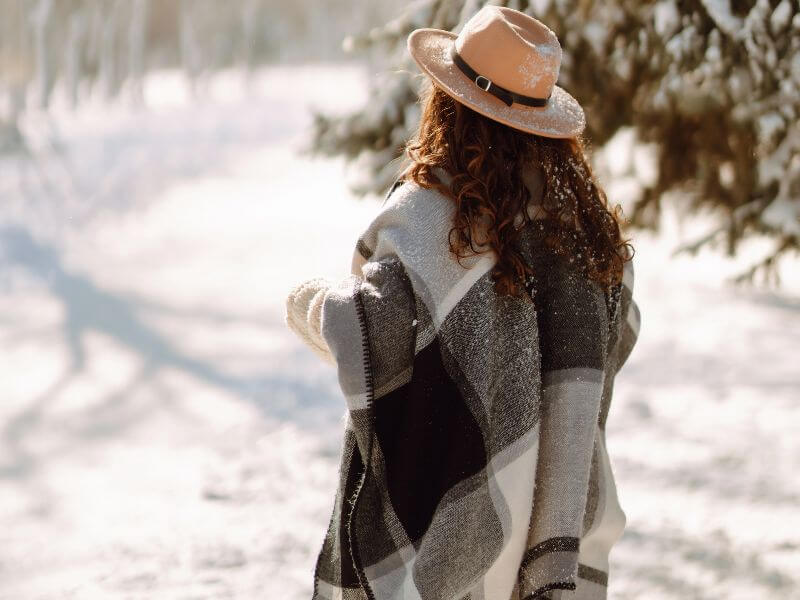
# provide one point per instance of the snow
(596, 34)
(780, 16)
(720, 13)
(164, 435)
(666, 18)
(768, 125)
(539, 7)
(783, 214)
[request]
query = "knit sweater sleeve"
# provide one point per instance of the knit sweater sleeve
(304, 314)
(406, 239)
(305, 301)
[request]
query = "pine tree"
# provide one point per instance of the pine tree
(712, 85)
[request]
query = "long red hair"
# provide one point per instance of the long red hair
(485, 159)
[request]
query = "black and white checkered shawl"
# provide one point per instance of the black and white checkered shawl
(471, 417)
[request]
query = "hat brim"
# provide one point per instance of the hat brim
(561, 117)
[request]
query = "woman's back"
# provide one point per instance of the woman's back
(476, 342)
(466, 412)
(558, 279)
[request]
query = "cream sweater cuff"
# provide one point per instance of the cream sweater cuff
(304, 314)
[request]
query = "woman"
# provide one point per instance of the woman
(476, 341)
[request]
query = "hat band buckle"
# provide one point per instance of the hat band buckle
(485, 87)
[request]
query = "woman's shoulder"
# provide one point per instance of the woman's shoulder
(410, 214)
(414, 224)
(407, 196)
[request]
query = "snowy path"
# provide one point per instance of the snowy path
(163, 435)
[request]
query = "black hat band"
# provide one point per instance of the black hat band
(487, 85)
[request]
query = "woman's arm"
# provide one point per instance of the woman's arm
(304, 314)
(305, 300)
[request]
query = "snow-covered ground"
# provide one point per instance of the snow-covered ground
(163, 434)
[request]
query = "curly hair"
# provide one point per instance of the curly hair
(485, 159)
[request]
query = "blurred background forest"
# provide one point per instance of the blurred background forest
(169, 169)
(713, 86)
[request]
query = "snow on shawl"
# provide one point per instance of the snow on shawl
(470, 416)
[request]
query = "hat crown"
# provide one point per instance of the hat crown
(512, 49)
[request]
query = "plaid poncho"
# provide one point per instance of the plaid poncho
(473, 463)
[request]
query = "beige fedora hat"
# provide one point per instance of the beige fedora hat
(504, 64)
